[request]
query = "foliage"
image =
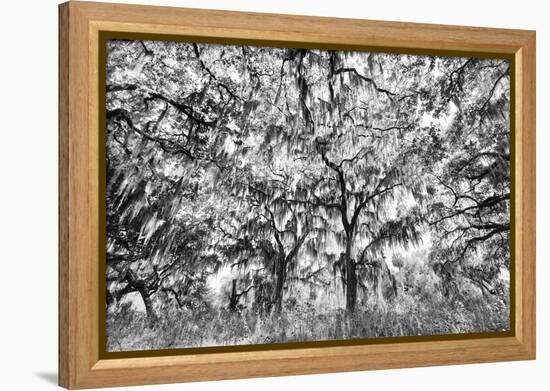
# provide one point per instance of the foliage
(277, 194)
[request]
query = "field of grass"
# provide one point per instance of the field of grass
(404, 316)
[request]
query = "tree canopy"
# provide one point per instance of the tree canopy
(255, 174)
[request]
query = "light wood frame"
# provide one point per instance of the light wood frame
(80, 24)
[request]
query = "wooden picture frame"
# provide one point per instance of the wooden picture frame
(81, 362)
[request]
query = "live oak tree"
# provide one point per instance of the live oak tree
(471, 212)
(355, 164)
(162, 138)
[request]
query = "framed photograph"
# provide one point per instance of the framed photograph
(247, 195)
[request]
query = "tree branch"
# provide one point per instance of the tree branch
(389, 94)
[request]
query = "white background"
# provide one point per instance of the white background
(28, 194)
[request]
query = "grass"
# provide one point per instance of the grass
(128, 329)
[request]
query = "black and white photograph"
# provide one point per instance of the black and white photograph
(260, 195)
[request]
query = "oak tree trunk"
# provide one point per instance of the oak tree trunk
(233, 298)
(351, 277)
(279, 284)
(148, 304)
